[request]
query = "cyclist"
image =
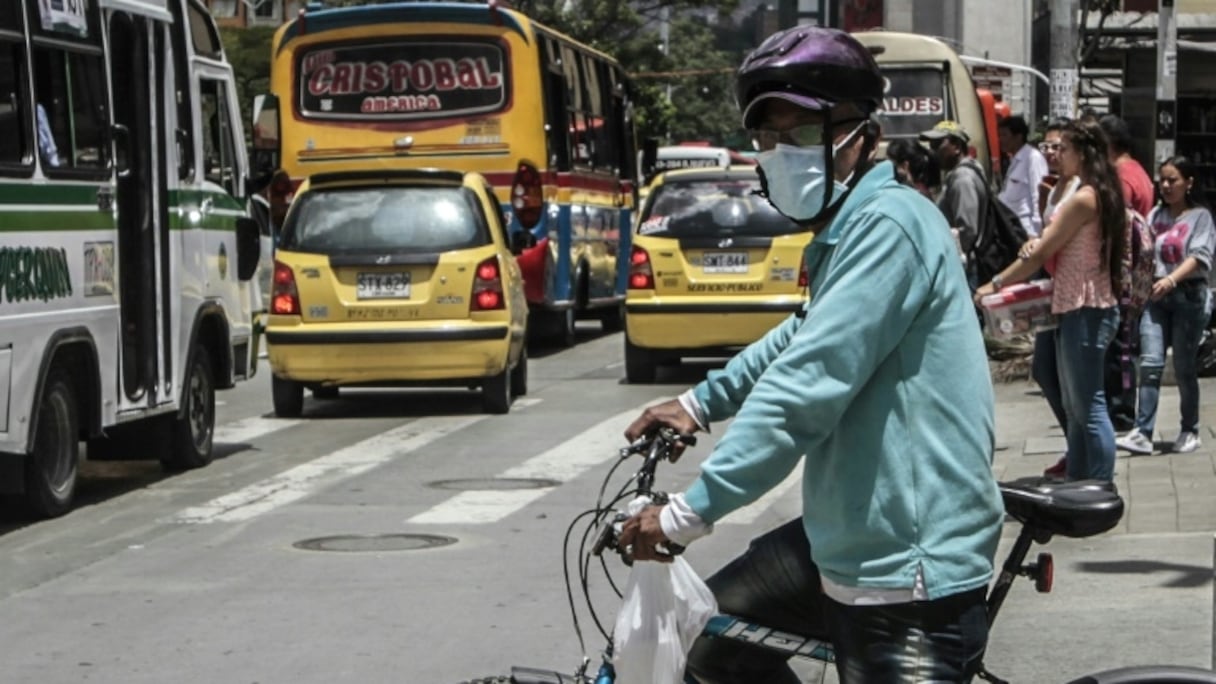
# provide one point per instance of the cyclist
(881, 382)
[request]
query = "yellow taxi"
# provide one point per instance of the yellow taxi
(396, 278)
(713, 268)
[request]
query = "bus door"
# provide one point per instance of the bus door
(137, 68)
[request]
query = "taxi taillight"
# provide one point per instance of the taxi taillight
(527, 195)
(285, 298)
(641, 277)
(804, 279)
(487, 286)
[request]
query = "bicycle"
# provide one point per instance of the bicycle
(1044, 508)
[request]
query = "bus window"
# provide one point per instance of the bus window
(14, 144)
(202, 32)
(915, 100)
(558, 136)
(219, 156)
(70, 109)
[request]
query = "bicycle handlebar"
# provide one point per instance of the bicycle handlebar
(657, 446)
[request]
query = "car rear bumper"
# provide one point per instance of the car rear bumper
(691, 325)
(389, 355)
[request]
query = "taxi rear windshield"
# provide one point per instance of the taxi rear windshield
(402, 80)
(368, 220)
(712, 208)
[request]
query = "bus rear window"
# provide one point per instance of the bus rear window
(402, 80)
(914, 100)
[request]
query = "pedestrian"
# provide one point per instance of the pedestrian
(1027, 167)
(964, 197)
(1055, 188)
(1085, 241)
(880, 387)
(1120, 369)
(1177, 312)
(913, 165)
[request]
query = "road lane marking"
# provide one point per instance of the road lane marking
(248, 429)
(562, 463)
(304, 479)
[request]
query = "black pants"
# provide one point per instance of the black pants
(1119, 379)
(776, 584)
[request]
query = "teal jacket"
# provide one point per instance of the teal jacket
(884, 387)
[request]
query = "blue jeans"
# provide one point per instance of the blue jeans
(1081, 342)
(1176, 320)
(1046, 374)
(775, 584)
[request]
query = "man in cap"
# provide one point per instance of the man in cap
(964, 197)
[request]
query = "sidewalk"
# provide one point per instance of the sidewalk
(1140, 594)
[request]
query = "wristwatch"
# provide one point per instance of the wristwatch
(997, 281)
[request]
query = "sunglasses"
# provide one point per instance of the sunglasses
(803, 135)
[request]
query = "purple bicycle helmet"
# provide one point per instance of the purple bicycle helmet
(811, 67)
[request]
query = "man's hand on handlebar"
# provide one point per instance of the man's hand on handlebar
(669, 414)
(642, 537)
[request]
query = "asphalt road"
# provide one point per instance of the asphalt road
(213, 576)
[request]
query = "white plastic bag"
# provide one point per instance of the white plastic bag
(665, 608)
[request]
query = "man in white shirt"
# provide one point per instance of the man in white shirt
(1027, 167)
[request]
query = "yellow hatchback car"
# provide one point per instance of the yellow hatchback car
(396, 278)
(713, 268)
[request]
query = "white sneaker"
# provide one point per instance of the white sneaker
(1187, 442)
(1135, 442)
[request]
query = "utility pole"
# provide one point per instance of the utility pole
(1167, 81)
(1064, 75)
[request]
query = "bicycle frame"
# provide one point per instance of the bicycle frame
(1042, 508)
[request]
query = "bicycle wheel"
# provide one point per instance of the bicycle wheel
(1150, 674)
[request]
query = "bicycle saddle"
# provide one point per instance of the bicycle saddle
(1080, 508)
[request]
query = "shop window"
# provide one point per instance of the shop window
(219, 151)
(70, 114)
(14, 145)
(267, 11)
(224, 9)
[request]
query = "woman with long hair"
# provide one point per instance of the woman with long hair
(1083, 250)
(1184, 240)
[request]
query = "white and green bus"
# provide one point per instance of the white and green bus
(126, 249)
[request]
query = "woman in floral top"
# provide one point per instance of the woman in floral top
(1082, 248)
(1185, 239)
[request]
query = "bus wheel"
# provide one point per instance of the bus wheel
(51, 469)
(562, 323)
(639, 364)
(288, 397)
(194, 429)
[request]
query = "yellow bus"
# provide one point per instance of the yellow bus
(473, 87)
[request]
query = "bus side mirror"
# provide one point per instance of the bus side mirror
(248, 247)
(650, 158)
(264, 152)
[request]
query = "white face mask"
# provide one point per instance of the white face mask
(797, 177)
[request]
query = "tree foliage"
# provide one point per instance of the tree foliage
(248, 51)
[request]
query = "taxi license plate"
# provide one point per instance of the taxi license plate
(383, 286)
(724, 262)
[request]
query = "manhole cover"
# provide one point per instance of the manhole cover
(474, 484)
(374, 542)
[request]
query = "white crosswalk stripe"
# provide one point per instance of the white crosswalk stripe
(249, 429)
(563, 462)
(304, 479)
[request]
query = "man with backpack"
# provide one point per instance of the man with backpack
(965, 196)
